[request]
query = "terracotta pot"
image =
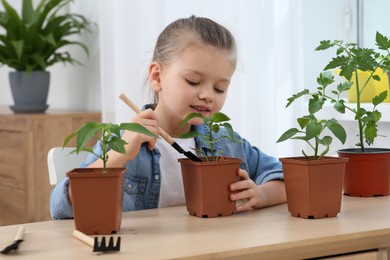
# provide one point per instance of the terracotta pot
(97, 199)
(366, 174)
(314, 187)
(206, 186)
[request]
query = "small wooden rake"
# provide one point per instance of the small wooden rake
(99, 246)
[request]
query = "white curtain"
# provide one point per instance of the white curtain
(269, 37)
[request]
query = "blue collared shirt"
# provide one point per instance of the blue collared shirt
(143, 176)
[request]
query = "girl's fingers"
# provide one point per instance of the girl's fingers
(243, 174)
(243, 183)
(148, 119)
(242, 195)
(148, 115)
(247, 205)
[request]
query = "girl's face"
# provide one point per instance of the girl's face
(196, 81)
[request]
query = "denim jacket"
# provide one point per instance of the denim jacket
(143, 176)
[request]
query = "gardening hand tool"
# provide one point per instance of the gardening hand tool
(18, 239)
(163, 134)
(99, 246)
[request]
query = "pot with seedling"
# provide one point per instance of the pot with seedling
(206, 183)
(368, 169)
(314, 182)
(97, 193)
(32, 42)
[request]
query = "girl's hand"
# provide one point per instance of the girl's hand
(245, 190)
(256, 196)
(134, 140)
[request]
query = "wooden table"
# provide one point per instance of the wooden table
(271, 233)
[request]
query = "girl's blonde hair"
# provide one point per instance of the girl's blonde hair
(186, 31)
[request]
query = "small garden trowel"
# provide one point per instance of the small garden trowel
(163, 134)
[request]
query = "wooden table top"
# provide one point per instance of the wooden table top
(270, 233)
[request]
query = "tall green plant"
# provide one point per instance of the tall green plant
(109, 136)
(312, 130)
(34, 39)
(349, 60)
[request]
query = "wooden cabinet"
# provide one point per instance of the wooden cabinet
(25, 140)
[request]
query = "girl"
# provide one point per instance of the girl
(193, 62)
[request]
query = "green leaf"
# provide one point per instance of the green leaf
(215, 128)
(376, 115)
(85, 133)
(188, 118)
(371, 132)
(325, 151)
(39, 60)
(68, 138)
(18, 47)
(315, 104)
(296, 96)
(325, 78)
(379, 98)
(345, 86)
(324, 45)
(303, 121)
(219, 117)
(339, 51)
(347, 70)
(288, 134)
(112, 129)
(339, 106)
(360, 113)
(376, 77)
(338, 131)
(27, 11)
(326, 140)
(117, 144)
(313, 130)
(336, 62)
(190, 134)
(230, 131)
(135, 127)
(303, 137)
(382, 41)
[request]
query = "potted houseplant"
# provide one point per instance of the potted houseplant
(33, 41)
(97, 193)
(368, 169)
(314, 182)
(206, 183)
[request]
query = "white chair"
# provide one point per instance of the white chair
(59, 162)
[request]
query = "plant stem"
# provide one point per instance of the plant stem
(359, 119)
(211, 144)
(104, 155)
(316, 151)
